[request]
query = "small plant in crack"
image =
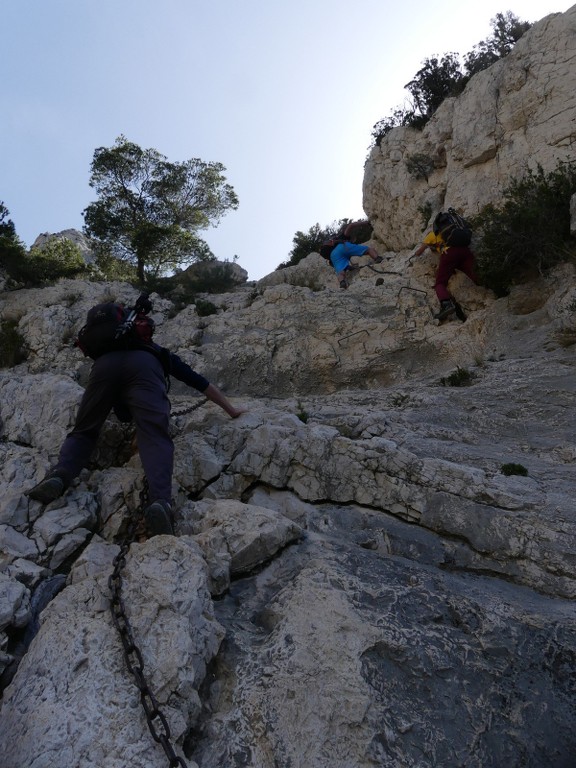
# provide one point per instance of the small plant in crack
(461, 377)
(302, 414)
(514, 469)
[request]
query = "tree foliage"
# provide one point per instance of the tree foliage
(7, 228)
(150, 210)
(435, 81)
(530, 232)
(439, 78)
(507, 29)
(305, 243)
(109, 267)
(59, 257)
(12, 250)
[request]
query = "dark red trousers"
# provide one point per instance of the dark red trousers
(452, 259)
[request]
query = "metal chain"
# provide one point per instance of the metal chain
(183, 410)
(155, 718)
(379, 271)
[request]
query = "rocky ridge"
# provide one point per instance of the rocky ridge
(355, 580)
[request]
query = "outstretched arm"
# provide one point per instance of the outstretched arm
(183, 372)
(216, 396)
(374, 255)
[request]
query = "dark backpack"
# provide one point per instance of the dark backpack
(452, 228)
(111, 327)
(328, 246)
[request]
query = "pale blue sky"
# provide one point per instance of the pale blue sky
(284, 94)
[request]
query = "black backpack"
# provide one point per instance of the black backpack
(328, 246)
(452, 228)
(111, 327)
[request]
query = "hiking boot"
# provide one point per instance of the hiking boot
(48, 489)
(343, 284)
(158, 516)
(447, 307)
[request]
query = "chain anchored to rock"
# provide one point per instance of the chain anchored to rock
(155, 718)
(183, 410)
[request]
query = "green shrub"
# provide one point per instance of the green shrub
(12, 250)
(530, 232)
(507, 29)
(305, 243)
(419, 165)
(461, 377)
(109, 267)
(205, 308)
(13, 259)
(59, 257)
(425, 211)
(513, 469)
(302, 413)
(12, 345)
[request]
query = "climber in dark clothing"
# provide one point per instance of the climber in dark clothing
(133, 382)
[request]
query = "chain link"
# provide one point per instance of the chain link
(155, 718)
(184, 409)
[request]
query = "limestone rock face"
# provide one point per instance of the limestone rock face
(76, 695)
(512, 117)
(354, 577)
(211, 269)
(373, 565)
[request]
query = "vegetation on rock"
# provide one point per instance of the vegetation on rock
(442, 77)
(529, 231)
(150, 210)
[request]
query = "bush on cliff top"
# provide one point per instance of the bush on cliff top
(442, 77)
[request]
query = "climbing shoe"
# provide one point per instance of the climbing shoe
(159, 517)
(447, 308)
(343, 284)
(48, 489)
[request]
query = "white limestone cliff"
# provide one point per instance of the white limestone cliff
(514, 116)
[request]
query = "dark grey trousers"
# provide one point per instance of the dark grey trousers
(136, 377)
